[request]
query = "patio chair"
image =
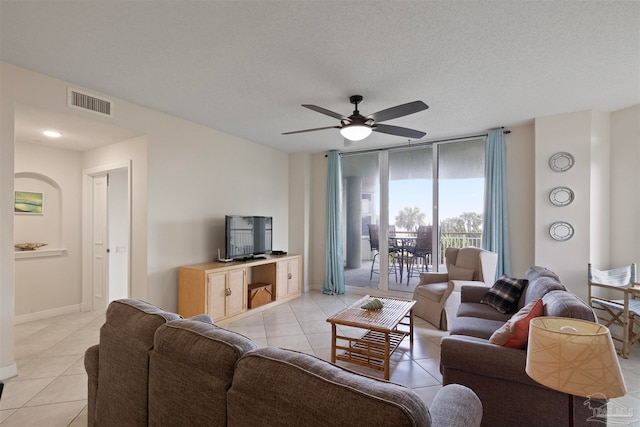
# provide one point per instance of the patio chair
(374, 242)
(421, 251)
(613, 296)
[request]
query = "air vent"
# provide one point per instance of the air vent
(86, 102)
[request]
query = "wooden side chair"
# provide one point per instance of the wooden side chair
(615, 297)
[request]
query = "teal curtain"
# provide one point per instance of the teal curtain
(334, 264)
(495, 229)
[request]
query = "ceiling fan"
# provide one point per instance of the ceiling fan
(357, 127)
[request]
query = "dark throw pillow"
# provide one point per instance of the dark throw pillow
(504, 294)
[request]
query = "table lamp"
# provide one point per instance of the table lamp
(574, 356)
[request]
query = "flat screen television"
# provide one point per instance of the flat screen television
(247, 236)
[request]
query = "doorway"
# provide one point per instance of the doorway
(106, 235)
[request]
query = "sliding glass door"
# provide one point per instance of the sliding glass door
(411, 213)
(460, 192)
(361, 219)
(403, 207)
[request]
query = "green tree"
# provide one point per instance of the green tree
(410, 218)
(467, 222)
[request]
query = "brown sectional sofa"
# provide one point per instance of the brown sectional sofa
(154, 368)
(496, 373)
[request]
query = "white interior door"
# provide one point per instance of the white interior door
(100, 243)
(118, 224)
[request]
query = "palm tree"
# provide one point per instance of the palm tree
(467, 222)
(410, 218)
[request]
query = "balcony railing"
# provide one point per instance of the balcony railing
(459, 240)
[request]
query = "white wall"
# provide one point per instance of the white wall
(585, 135)
(49, 285)
(300, 210)
(600, 187)
(520, 145)
(7, 289)
(625, 187)
(196, 176)
(318, 243)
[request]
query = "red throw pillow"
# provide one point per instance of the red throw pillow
(515, 332)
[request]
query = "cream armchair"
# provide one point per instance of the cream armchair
(437, 295)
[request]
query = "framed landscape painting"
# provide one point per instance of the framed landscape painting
(28, 202)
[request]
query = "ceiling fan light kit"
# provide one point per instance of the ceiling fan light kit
(356, 132)
(357, 127)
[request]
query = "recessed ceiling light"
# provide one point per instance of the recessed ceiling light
(52, 134)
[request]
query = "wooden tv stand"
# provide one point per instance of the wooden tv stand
(220, 289)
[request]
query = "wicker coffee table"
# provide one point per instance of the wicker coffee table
(381, 337)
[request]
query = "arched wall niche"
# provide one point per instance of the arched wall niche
(45, 227)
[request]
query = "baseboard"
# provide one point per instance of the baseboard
(8, 371)
(46, 314)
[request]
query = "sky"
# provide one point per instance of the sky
(456, 196)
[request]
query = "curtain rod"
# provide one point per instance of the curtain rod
(419, 144)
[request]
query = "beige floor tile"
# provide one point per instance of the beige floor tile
(632, 381)
(253, 320)
(315, 326)
(624, 411)
(69, 347)
(261, 342)
(76, 368)
(44, 367)
(293, 342)
(411, 374)
(252, 331)
(55, 415)
(303, 304)
(323, 353)
(6, 414)
(51, 333)
(349, 332)
(332, 307)
(279, 317)
(30, 349)
(432, 366)
(319, 340)
(283, 329)
(311, 315)
(427, 394)
(17, 393)
(65, 388)
(421, 348)
(81, 420)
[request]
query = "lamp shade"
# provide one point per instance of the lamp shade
(356, 132)
(575, 357)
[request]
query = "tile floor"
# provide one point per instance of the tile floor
(51, 387)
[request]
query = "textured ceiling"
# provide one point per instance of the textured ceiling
(244, 67)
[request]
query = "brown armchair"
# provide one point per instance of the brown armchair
(437, 295)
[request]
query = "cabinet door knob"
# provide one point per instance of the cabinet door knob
(289, 276)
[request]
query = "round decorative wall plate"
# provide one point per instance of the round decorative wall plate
(561, 162)
(561, 231)
(561, 196)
